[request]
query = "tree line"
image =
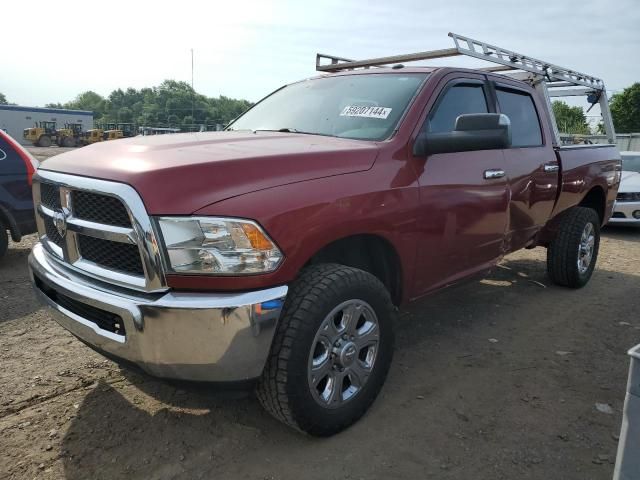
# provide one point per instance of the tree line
(176, 104)
(171, 104)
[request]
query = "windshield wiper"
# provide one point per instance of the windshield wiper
(290, 130)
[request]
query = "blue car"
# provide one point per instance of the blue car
(17, 166)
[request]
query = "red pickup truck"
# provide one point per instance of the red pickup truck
(279, 250)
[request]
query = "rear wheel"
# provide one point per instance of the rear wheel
(44, 141)
(4, 239)
(331, 352)
(572, 255)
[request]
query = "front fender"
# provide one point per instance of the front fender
(304, 217)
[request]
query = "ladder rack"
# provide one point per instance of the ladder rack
(548, 79)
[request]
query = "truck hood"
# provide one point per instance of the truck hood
(630, 182)
(181, 173)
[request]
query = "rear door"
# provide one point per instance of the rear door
(462, 214)
(531, 163)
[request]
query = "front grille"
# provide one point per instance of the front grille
(99, 208)
(93, 211)
(619, 215)
(123, 257)
(628, 197)
(50, 195)
(52, 232)
(105, 320)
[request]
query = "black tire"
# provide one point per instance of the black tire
(44, 141)
(4, 239)
(564, 252)
(284, 389)
(68, 142)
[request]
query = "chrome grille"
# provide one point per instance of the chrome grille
(50, 195)
(98, 228)
(99, 208)
(628, 197)
(123, 257)
(52, 232)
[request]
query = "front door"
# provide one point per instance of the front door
(464, 195)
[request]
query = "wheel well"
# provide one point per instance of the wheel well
(595, 200)
(370, 253)
(9, 223)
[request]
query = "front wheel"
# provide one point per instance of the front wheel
(331, 352)
(572, 255)
(44, 141)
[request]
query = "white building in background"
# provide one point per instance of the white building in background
(14, 119)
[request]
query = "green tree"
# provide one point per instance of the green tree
(625, 109)
(3, 99)
(125, 114)
(173, 120)
(570, 119)
(89, 101)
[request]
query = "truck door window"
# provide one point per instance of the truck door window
(457, 100)
(519, 107)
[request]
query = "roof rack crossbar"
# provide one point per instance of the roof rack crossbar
(518, 61)
(499, 68)
(338, 63)
(548, 79)
(507, 59)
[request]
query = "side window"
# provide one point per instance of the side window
(458, 100)
(519, 107)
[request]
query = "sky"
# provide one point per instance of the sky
(246, 49)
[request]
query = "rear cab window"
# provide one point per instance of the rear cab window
(525, 124)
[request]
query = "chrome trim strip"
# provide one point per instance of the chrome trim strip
(115, 277)
(94, 229)
(99, 230)
(142, 233)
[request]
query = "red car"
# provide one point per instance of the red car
(279, 250)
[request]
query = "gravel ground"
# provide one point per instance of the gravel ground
(497, 379)
(42, 153)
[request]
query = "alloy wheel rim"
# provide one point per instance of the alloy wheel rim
(343, 353)
(586, 248)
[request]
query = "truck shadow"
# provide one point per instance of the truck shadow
(629, 234)
(19, 299)
(147, 428)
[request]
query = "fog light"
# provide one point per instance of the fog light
(636, 214)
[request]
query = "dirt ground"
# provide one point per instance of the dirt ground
(42, 153)
(497, 379)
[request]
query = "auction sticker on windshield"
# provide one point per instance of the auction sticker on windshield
(367, 112)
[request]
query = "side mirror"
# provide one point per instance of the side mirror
(474, 131)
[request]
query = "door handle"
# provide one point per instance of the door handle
(493, 173)
(551, 167)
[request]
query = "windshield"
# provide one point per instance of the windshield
(365, 107)
(631, 163)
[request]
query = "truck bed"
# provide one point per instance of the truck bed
(582, 167)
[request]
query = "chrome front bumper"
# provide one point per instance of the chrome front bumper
(627, 209)
(180, 335)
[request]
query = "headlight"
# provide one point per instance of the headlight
(217, 246)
